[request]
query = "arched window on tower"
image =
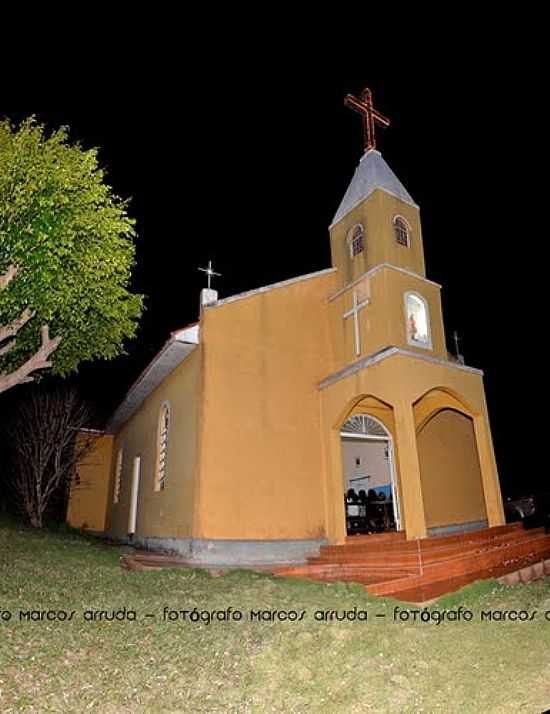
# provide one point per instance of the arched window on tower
(356, 240)
(417, 321)
(162, 446)
(402, 231)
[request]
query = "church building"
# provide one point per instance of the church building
(299, 413)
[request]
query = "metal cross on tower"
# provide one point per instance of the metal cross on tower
(209, 272)
(370, 115)
(456, 339)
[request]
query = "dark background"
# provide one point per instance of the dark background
(249, 174)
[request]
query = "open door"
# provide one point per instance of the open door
(369, 476)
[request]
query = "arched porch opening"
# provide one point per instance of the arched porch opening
(450, 470)
(368, 468)
(435, 400)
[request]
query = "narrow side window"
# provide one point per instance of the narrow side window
(118, 476)
(162, 446)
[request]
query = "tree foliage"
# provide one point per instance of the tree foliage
(66, 254)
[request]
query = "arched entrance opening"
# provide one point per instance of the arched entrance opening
(452, 486)
(370, 488)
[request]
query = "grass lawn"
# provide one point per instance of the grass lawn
(154, 664)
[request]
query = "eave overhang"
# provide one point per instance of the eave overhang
(177, 348)
(384, 354)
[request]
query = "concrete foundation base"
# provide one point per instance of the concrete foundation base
(232, 552)
(457, 528)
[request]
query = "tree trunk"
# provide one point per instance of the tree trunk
(35, 520)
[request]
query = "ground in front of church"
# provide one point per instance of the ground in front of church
(252, 642)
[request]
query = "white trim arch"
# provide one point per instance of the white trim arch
(364, 426)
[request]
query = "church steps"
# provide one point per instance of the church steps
(394, 536)
(423, 591)
(415, 562)
(422, 588)
(424, 550)
(440, 565)
(411, 563)
(536, 548)
(365, 544)
(357, 573)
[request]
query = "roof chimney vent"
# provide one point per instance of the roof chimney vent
(208, 297)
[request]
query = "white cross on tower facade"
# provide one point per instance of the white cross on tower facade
(354, 311)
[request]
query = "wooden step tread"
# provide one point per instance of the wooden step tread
(469, 566)
(498, 532)
(419, 591)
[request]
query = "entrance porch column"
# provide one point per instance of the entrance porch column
(412, 504)
(489, 475)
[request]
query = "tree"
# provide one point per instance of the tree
(48, 439)
(66, 253)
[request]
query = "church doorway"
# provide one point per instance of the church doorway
(370, 491)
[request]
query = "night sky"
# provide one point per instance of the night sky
(249, 175)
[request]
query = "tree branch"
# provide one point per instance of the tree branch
(13, 328)
(38, 361)
(6, 348)
(8, 276)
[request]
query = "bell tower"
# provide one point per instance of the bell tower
(382, 299)
(377, 221)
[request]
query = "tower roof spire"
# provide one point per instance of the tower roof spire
(371, 116)
(372, 173)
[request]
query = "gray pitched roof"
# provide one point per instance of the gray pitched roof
(372, 173)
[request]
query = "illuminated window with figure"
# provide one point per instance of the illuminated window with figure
(418, 321)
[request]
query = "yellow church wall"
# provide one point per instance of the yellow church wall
(383, 322)
(169, 512)
(88, 496)
(261, 453)
(449, 470)
(376, 214)
(400, 381)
